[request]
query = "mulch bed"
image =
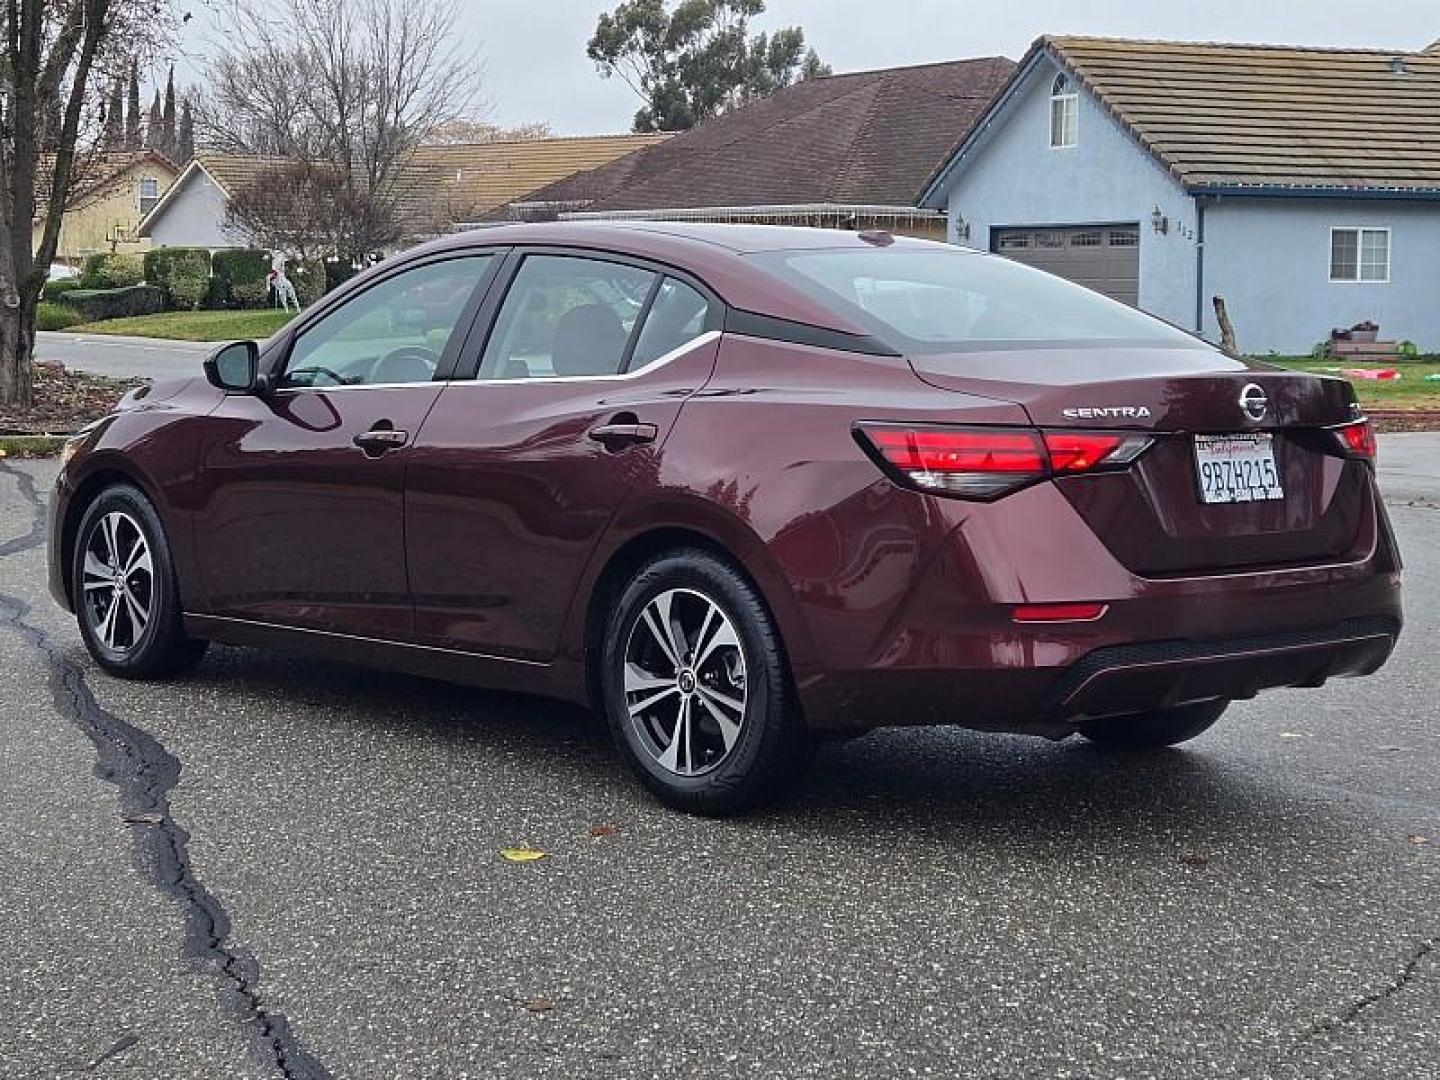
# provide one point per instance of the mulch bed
(1405, 419)
(64, 401)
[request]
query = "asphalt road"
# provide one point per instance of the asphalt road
(310, 882)
(122, 357)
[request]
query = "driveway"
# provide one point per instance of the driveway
(281, 867)
(122, 357)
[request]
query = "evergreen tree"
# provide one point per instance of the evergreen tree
(185, 138)
(152, 129)
(167, 120)
(113, 135)
(132, 110)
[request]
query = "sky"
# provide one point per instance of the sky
(533, 51)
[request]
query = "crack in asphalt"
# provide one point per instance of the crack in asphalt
(1389, 990)
(145, 772)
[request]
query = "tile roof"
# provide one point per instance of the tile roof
(870, 137)
(1223, 116)
(95, 175)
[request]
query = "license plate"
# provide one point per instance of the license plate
(1237, 468)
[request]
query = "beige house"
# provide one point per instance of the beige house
(111, 196)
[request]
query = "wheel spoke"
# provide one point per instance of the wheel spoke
(139, 559)
(670, 759)
(138, 615)
(715, 698)
(106, 628)
(638, 679)
(659, 609)
(729, 729)
(724, 638)
(110, 527)
(95, 567)
(640, 706)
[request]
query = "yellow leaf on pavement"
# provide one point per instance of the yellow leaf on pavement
(520, 854)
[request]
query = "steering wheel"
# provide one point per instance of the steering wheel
(409, 363)
(318, 369)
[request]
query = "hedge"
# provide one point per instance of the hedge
(52, 315)
(310, 280)
(96, 304)
(54, 290)
(110, 271)
(237, 267)
(163, 266)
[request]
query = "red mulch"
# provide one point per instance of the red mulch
(64, 401)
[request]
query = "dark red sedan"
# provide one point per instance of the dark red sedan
(740, 488)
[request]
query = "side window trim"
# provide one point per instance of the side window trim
(469, 367)
(444, 370)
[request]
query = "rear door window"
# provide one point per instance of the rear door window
(678, 315)
(566, 316)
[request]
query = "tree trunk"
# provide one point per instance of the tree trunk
(1227, 332)
(17, 353)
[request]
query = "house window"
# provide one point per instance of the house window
(1064, 112)
(149, 191)
(1360, 255)
(1085, 239)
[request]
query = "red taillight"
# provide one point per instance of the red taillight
(1357, 439)
(1080, 451)
(984, 462)
(1043, 613)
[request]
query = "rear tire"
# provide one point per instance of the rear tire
(696, 687)
(1153, 730)
(125, 593)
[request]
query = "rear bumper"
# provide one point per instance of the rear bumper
(950, 651)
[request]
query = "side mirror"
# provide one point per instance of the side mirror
(234, 367)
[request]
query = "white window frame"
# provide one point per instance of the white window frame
(1360, 231)
(140, 195)
(1069, 102)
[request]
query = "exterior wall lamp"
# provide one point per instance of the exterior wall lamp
(962, 230)
(1159, 222)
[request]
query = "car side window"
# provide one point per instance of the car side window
(678, 315)
(565, 316)
(394, 332)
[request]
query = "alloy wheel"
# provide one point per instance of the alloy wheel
(685, 682)
(118, 580)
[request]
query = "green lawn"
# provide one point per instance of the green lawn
(194, 325)
(1410, 391)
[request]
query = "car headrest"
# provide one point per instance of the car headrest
(589, 340)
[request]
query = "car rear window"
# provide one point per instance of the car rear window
(946, 300)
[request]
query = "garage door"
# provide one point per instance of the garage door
(1105, 258)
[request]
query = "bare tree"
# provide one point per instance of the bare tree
(472, 132)
(352, 87)
(56, 59)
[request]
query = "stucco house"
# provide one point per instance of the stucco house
(844, 151)
(443, 186)
(1302, 185)
(110, 195)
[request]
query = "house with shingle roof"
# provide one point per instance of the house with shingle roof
(442, 187)
(852, 150)
(1302, 185)
(110, 193)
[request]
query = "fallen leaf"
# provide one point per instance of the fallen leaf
(1196, 861)
(1293, 735)
(605, 830)
(1416, 838)
(539, 1005)
(520, 854)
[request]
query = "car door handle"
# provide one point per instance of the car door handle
(378, 440)
(625, 433)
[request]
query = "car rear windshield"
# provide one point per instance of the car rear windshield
(950, 300)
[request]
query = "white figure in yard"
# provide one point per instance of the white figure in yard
(284, 289)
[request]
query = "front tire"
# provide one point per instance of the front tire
(123, 583)
(696, 687)
(1154, 730)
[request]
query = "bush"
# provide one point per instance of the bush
(96, 304)
(164, 265)
(237, 267)
(187, 290)
(310, 280)
(51, 315)
(251, 294)
(337, 273)
(110, 271)
(54, 290)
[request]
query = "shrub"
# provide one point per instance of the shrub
(339, 272)
(52, 315)
(251, 294)
(187, 290)
(164, 265)
(96, 304)
(236, 267)
(54, 290)
(310, 280)
(111, 271)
